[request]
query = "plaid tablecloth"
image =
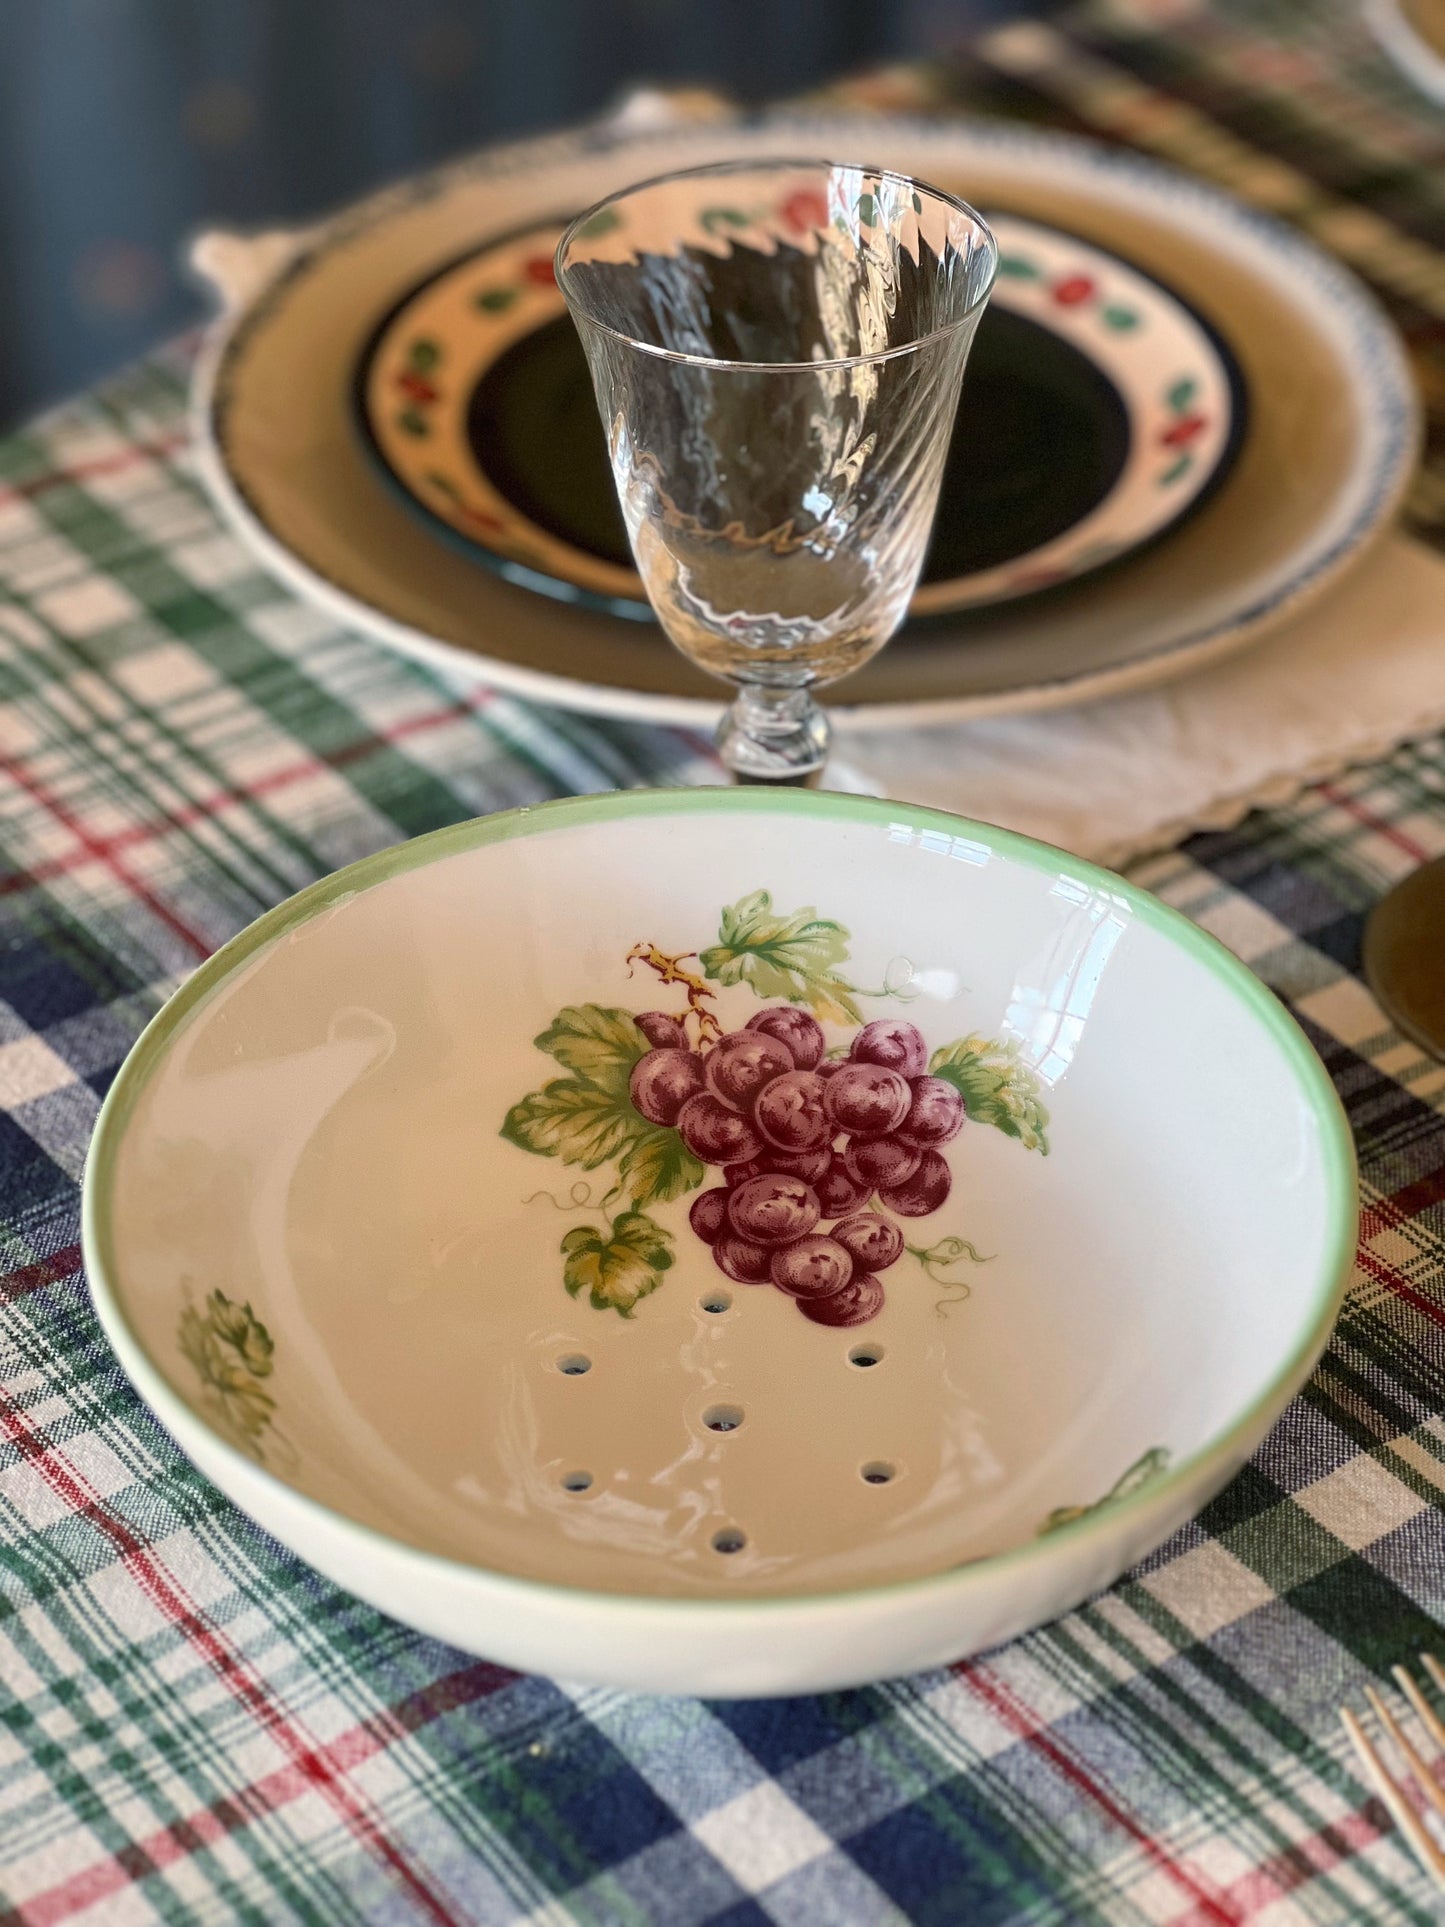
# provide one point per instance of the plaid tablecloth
(196, 1728)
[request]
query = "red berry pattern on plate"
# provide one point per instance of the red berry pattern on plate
(935, 1113)
(709, 1214)
(800, 1146)
(662, 1031)
(790, 1112)
(738, 1066)
(802, 1034)
(743, 1261)
(662, 1082)
(880, 1161)
(859, 1300)
(715, 1131)
(806, 1157)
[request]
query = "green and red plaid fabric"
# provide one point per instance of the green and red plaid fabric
(194, 1727)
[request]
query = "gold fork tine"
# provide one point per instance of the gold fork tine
(1434, 1669)
(1424, 1777)
(1403, 1814)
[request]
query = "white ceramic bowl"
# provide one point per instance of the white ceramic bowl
(332, 1236)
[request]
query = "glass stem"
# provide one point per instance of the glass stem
(772, 735)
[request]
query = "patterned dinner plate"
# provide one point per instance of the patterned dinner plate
(1100, 410)
(1329, 448)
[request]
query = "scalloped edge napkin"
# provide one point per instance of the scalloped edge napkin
(1347, 681)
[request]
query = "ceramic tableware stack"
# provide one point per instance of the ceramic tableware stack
(1180, 422)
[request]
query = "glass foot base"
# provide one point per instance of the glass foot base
(810, 780)
(774, 736)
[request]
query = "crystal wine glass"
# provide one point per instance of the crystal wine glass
(777, 349)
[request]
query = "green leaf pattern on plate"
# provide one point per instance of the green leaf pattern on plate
(570, 1120)
(232, 1351)
(588, 1118)
(617, 1265)
(595, 1043)
(794, 957)
(996, 1086)
(658, 1167)
(1146, 1467)
(602, 222)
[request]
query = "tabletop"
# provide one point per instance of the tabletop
(195, 1727)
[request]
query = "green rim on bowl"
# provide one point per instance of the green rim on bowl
(1316, 1090)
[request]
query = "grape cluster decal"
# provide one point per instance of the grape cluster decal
(823, 1152)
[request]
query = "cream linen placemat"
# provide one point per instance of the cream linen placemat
(1353, 676)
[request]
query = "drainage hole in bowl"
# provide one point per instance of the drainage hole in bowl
(729, 1539)
(865, 1355)
(576, 1481)
(717, 1301)
(574, 1364)
(878, 1472)
(723, 1418)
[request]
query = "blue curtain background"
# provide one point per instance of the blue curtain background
(127, 124)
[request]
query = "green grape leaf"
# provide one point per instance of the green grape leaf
(229, 1337)
(996, 1086)
(1146, 1467)
(576, 1122)
(231, 1351)
(246, 1406)
(659, 1167)
(616, 1267)
(586, 1118)
(792, 957)
(238, 1327)
(594, 1043)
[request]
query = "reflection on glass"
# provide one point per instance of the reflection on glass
(777, 349)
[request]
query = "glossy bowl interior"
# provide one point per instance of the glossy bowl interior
(374, 1224)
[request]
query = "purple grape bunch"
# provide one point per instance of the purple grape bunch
(819, 1158)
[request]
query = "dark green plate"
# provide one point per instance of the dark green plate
(1041, 440)
(1098, 412)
